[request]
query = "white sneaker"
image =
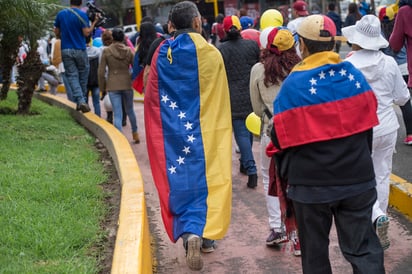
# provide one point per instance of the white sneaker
(382, 225)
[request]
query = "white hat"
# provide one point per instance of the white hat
(366, 33)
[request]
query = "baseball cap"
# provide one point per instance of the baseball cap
(231, 21)
(317, 27)
(246, 22)
(387, 13)
(301, 8)
(280, 39)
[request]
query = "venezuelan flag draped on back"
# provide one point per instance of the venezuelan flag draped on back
(189, 134)
(323, 99)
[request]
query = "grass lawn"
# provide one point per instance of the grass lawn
(52, 201)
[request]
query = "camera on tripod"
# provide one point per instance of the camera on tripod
(92, 11)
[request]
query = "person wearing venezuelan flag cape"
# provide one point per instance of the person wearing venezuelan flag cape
(323, 122)
(189, 135)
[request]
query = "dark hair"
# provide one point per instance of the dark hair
(277, 67)
(387, 27)
(147, 19)
(353, 9)
(146, 36)
(183, 14)
(331, 6)
(318, 46)
(233, 34)
(76, 2)
(118, 35)
(219, 18)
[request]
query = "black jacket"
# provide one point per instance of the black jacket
(342, 161)
(239, 56)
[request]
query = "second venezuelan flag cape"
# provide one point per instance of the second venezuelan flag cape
(323, 99)
(189, 136)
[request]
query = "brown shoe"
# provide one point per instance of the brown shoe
(136, 138)
(83, 107)
(193, 258)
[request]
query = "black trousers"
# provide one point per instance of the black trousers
(356, 234)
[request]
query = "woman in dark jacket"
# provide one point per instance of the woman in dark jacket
(239, 56)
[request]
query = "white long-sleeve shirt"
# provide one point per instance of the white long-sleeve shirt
(385, 79)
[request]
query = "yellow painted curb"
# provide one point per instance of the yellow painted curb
(400, 196)
(132, 253)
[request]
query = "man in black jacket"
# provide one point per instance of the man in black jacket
(322, 136)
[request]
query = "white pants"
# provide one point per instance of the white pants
(383, 148)
(272, 203)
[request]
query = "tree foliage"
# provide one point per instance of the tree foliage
(30, 19)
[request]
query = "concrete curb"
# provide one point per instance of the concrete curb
(132, 252)
(400, 196)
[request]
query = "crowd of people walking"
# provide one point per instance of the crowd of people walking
(328, 128)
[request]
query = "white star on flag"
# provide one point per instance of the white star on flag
(322, 75)
(191, 138)
(313, 81)
(165, 98)
(342, 72)
(331, 72)
(188, 125)
(182, 115)
(181, 160)
(312, 90)
(351, 77)
(173, 105)
(172, 169)
(186, 150)
(358, 85)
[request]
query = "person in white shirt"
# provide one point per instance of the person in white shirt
(383, 75)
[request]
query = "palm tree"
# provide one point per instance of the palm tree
(31, 19)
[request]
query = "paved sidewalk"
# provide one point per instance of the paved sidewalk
(243, 249)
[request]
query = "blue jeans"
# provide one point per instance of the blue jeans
(117, 98)
(69, 92)
(76, 67)
(95, 98)
(244, 140)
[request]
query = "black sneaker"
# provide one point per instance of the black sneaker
(208, 246)
(276, 238)
(252, 181)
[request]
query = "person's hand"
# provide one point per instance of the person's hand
(104, 93)
(97, 17)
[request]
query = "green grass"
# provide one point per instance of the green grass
(51, 202)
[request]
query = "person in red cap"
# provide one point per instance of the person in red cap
(299, 12)
(277, 60)
(239, 55)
